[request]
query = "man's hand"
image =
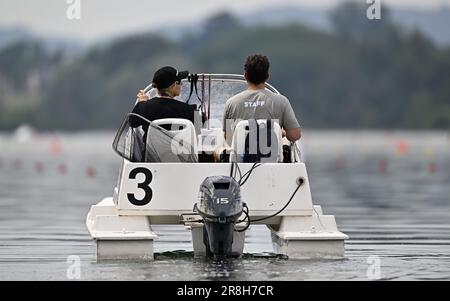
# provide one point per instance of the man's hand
(142, 96)
(293, 134)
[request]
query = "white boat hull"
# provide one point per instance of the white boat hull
(164, 193)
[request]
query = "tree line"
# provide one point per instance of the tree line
(364, 74)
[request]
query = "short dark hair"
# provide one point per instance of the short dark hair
(257, 68)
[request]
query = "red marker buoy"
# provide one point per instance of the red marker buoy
(62, 168)
(339, 163)
(90, 172)
(382, 166)
(38, 167)
(432, 167)
(17, 164)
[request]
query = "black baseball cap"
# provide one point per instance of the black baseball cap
(166, 76)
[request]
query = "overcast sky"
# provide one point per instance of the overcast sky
(102, 18)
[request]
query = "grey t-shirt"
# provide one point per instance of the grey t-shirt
(258, 104)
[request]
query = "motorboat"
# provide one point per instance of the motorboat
(171, 174)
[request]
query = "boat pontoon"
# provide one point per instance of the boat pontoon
(169, 175)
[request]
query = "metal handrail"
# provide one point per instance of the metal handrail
(217, 77)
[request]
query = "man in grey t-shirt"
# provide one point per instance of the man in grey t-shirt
(258, 103)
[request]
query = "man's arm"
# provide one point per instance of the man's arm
(290, 123)
(135, 121)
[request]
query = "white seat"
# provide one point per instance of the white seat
(182, 142)
(239, 137)
(210, 140)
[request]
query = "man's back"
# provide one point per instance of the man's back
(159, 108)
(258, 104)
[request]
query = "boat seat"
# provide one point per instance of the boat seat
(176, 142)
(245, 141)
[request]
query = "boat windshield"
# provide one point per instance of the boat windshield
(213, 90)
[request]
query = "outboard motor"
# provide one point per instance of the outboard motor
(220, 206)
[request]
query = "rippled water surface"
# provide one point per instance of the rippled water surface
(390, 192)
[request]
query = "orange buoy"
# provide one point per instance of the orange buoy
(55, 146)
(402, 147)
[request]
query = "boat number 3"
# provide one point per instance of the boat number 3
(143, 185)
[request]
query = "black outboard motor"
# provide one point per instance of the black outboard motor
(220, 206)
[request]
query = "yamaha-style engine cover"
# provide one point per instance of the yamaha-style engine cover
(220, 206)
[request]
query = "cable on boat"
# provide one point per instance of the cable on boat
(247, 218)
(193, 79)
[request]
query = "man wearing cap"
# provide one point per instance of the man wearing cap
(167, 81)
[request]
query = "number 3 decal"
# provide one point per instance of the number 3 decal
(143, 185)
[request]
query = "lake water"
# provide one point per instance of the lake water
(389, 191)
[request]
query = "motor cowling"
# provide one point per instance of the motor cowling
(220, 206)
